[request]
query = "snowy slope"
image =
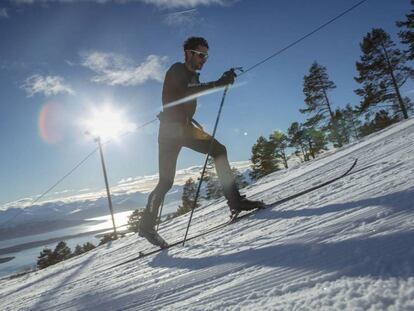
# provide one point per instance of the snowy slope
(348, 246)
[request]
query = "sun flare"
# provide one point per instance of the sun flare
(107, 123)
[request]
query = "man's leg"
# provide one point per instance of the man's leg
(200, 141)
(167, 161)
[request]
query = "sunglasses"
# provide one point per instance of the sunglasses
(202, 55)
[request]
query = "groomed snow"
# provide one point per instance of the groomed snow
(347, 246)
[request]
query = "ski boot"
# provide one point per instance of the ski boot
(152, 236)
(244, 204)
(147, 230)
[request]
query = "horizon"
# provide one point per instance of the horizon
(126, 186)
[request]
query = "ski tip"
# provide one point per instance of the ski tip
(353, 165)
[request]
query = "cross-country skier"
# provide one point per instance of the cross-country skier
(178, 129)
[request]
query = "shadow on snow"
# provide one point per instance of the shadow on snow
(380, 256)
(396, 202)
(390, 255)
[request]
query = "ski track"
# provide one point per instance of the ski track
(347, 245)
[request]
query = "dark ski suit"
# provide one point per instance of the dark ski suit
(177, 130)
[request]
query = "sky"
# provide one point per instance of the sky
(60, 60)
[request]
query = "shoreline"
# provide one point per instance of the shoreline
(24, 246)
(6, 259)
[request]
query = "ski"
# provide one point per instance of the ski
(234, 215)
(240, 215)
(158, 250)
(237, 217)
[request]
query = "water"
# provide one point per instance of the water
(26, 258)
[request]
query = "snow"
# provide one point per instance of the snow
(346, 246)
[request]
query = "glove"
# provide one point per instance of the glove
(227, 78)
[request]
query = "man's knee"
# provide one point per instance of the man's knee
(164, 185)
(218, 150)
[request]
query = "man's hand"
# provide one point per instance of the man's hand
(227, 78)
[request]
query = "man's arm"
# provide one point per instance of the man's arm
(176, 87)
(226, 79)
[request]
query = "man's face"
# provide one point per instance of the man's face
(197, 57)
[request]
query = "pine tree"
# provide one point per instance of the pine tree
(45, 258)
(396, 111)
(263, 160)
(315, 141)
(381, 120)
(187, 198)
(88, 246)
(210, 169)
(382, 71)
(78, 250)
(316, 86)
(342, 127)
(108, 238)
(239, 178)
(351, 122)
(213, 186)
(407, 33)
(297, 140)
(280, 143)
(134, 219)
(62, 251)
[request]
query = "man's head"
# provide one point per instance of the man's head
(196, 52)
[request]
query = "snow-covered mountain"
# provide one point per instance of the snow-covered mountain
(346, 246)
(73, 210)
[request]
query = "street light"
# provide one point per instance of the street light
(97, 139)
(107, 124)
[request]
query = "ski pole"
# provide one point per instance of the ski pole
(205, 162)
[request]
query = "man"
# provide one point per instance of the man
(178, 129)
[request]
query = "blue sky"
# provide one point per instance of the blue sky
(58, 59)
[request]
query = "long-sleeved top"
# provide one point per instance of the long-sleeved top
(180, 83)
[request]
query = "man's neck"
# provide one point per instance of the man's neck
(189, 66)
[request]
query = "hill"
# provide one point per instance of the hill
(345, 246)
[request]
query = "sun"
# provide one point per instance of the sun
(107, 123)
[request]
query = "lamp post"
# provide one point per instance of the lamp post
(106, 123)
(97, 139)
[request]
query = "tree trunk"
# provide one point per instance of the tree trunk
(311, 150)
(355, 129)
(333, 122)
(394, 83)
(305, 156)
(328, 104)
(284, 158)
